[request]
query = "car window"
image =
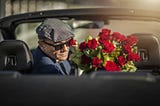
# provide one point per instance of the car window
(27, 33)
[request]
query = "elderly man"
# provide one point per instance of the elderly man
(50, 57)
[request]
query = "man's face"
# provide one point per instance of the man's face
(58, 51)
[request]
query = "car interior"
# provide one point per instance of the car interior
(19, 87)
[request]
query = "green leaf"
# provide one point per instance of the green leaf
(129, 67)
(89, 37)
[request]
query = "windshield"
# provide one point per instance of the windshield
(83, 28)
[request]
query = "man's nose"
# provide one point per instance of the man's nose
(65, 47)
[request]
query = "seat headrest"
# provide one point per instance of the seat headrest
(148, 48)
(15, 55)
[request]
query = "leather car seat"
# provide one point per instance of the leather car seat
(149, 50)
(15, 56)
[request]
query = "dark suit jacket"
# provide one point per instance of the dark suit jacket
(45, 65)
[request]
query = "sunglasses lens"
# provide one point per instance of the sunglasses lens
(58, 47)
(67, 43)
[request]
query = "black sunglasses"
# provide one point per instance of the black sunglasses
(58, 47)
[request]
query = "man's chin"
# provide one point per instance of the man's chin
(62, 59)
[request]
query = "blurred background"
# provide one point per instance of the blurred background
(10, 7)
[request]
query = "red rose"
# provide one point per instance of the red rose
(118, 37)
(106, 31)
(133, 57)
(127, 48)
(72, 42)
(92, 44)
(121, 60)
(96, 62)
(108, 47)
(131, 40)
(83, 46)
(85, 59)
(105, 35)
(102, 40)
(111, 66)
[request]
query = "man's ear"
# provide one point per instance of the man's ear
(41, 45)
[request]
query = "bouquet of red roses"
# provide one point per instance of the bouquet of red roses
(108, 51)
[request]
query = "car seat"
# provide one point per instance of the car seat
(148, 48)
(15, 56)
